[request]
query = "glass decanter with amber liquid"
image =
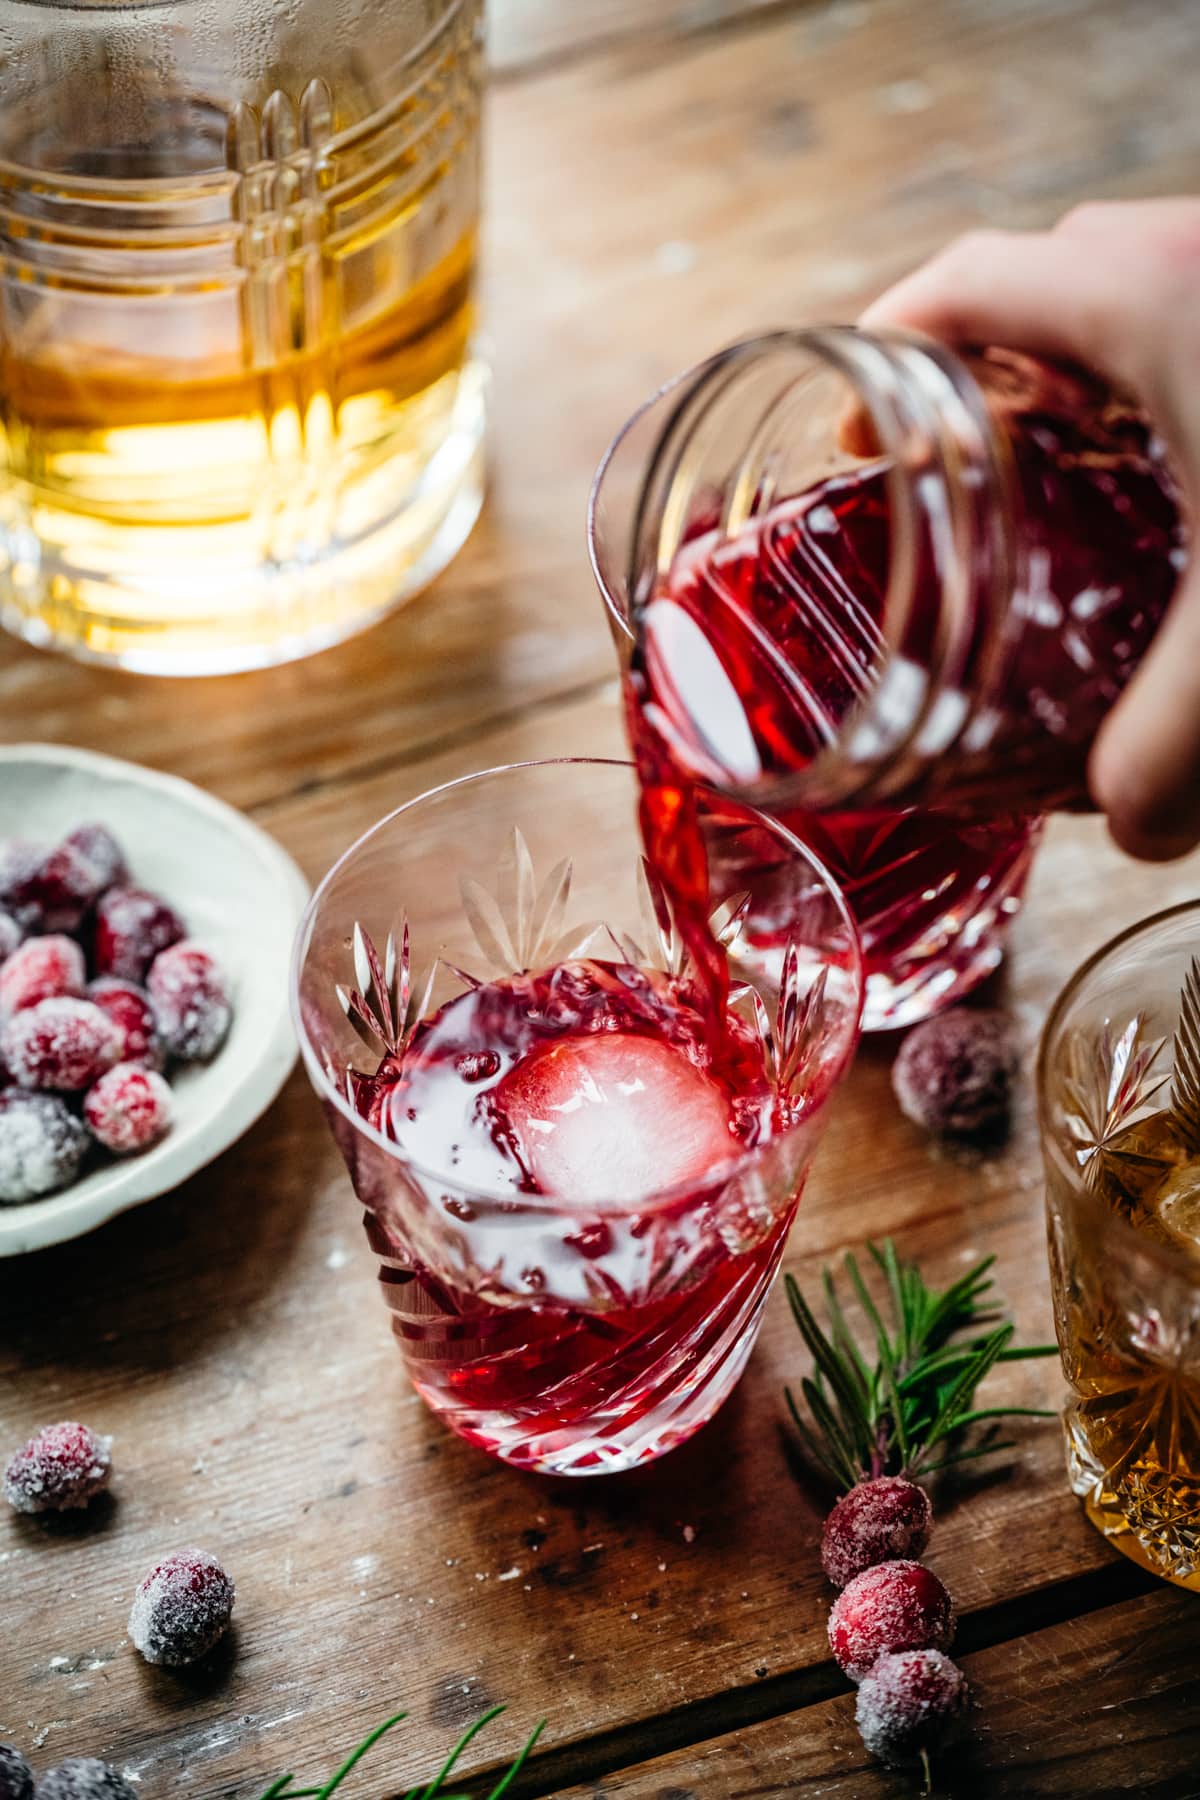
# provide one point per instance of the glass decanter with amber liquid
(241, 407)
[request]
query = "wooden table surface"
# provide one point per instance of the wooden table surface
(663, 175)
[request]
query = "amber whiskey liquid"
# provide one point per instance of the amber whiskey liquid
(1130, 1336)
(239, 411)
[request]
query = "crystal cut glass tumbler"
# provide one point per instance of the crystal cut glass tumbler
(1119, 1093)
(242, 407)
(578, 1203)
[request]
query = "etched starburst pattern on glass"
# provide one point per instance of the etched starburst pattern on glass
(1127, 1304)
(1109, 1080)
(520, 924)
(1185, 1076)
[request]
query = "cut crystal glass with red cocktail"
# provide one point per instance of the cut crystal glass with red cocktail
(579, 1144)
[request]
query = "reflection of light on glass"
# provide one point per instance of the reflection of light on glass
(685, 663)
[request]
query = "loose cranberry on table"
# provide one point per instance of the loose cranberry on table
(954, 1073)
(131, 1011)
(893, 1606)
(132, 926)
(128, 1109)
(181, 1609)
(191, 1001)
(16, 1776)
(42, 1144)
(42, 968)
(63, 1044)
(911, 1704)
(64, 1466)
(877, 1521)
(84, 1778)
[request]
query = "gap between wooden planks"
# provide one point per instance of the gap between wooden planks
(1099, 1704)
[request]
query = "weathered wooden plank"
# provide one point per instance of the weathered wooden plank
(1099, 1706)
(525, 35)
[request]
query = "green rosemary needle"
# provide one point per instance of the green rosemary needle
(903, 1406)
(434, 1788)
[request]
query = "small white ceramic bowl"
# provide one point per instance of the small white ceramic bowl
(238, 892)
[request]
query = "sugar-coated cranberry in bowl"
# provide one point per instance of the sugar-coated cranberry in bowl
(42, 1145)
(41, 968)
(128, 1109)
(62, 1044)
(76, 1025)
(128, 862)
(132, 926)
(132, 1011)
(191, 1000)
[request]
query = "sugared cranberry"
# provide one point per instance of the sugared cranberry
(894, 1606)
(132, 926)
(18, 864)
(84, 1778)
(181, 1608)
(71, 876)
(62, 1044)
(875, 1522)
(191, 1000)
(40, 969)
(954, 1073)
(128, 1109)
(911, 1704)
(10, 936)
(130, 1009)
(41, 1145)
(16, 1776)
(64, 1466)
(104, 855)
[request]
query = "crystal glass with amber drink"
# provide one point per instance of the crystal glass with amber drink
(1119, 1085)
(241, 410)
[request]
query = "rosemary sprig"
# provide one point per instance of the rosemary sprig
(434, 1789)
(888, 1413)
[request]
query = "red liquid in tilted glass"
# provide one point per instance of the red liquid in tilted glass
(1097, 515)
(562, 1089)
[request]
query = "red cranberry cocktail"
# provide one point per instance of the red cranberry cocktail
(580, 1146)
(887, 594)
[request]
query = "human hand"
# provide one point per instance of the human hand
(1114, 286)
